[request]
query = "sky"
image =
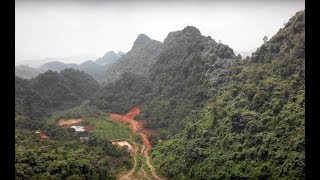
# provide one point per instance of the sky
(80, 30)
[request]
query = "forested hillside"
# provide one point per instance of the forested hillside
(120, 96)
(254, 127)
(176, 84)
(181, 76)
(63, 156)
(52, 91)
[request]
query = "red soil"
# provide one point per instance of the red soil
(128, 119)
(135, 126)
(146, 143)
(133, 113)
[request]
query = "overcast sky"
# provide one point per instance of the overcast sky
(89, 30)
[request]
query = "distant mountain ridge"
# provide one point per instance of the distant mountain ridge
(27, 72)
(58, 66)
(37, 62)
(94, 68)
(109, 58)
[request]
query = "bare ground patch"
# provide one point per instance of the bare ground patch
(67, 123)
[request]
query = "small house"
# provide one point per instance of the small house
(78, 128)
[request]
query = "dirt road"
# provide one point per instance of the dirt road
(137, 127)
(127, 176)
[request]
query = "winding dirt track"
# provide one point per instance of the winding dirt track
(152, 168)
(144, 173)
(127, 176)
(136, 127)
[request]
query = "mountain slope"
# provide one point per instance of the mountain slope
(138, 60)
(174, 85)
(92, 68)
(52, 91)
(120, 96)
(181, 74)
(253, 126)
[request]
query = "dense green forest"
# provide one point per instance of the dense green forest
(52, 91)
(218, 115)
(120, 96)
(253, 128)
(65, 157)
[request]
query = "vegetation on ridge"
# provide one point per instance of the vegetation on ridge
(254, 127)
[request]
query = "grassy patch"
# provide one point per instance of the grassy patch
(139, 163)
(107, 130)
(145, 166)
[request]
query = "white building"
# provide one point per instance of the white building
(78, 128)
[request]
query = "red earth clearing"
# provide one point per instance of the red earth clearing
(135, 126)
(128, 119)
(133, 113)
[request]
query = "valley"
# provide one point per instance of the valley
(138, 147)
(184, 108)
